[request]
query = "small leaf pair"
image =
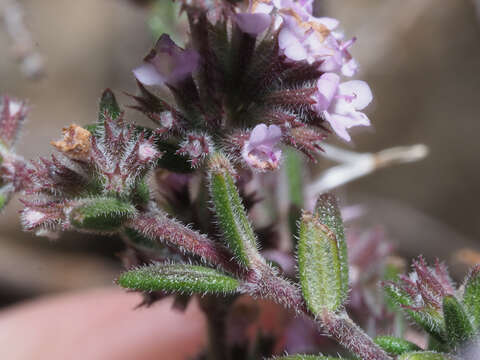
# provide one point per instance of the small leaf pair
(322, 257)
(450, 316)
(238, 235)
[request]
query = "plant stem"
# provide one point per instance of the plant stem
(351, 336)
(216, 311)
(338, 326)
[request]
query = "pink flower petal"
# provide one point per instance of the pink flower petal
(328, 22)
(253, 24)
(327, 87)
(148, 75)
(362, 95)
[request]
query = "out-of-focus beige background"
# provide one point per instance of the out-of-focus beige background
(421, 58)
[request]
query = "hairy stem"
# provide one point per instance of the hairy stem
(156, 226)
(340, 327)
(351, 336)
(216, 311)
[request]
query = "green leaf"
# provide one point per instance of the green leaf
(424, 355)
(394, 345)
(328, 213)
(178, 278)
(320, 266)
(231, 215)
(457, 323)
(108, 105)
(102, 214)
(471, 296)
(431, 322)
(141, 194)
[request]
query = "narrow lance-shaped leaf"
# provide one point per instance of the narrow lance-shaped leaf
(179, 278)
(457, 323)
(320, 266)
(328, 213)
(471, 296)
(108, 105)
(394, 345)
(102, 214)
(230, 212)
(424, 355)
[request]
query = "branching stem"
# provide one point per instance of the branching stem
(338, 326)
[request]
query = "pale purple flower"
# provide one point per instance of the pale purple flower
(253, 24)
(300, 43)
(260, 151)
(304, 37)
(339, 103)
(336, 56)
(167, 63)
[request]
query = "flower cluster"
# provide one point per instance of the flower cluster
(250, 78)
(96, 183)
(304, 37)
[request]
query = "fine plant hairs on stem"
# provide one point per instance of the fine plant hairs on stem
(258, 89)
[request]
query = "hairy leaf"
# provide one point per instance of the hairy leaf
(394, 345)
(320, 266)
(457, 323)
(471, 296)
(230, 212)
(102, 214)
(328, 212)
(178, 278)
(429, 321)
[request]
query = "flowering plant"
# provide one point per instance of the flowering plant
(257, 84)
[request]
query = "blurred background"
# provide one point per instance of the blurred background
(421, 58)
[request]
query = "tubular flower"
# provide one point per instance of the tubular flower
(253, 24)
(339, 103)
(260, 151)
(306, 37)
(167, 63)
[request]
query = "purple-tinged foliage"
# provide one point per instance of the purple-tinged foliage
(14, 173)
(426, 287)
(430, 298)
(93, 180)
(254, 76)
(12, 115)
(243, 79)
